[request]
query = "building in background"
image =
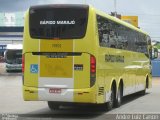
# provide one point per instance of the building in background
(11, 29)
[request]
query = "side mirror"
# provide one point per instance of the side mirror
(154, 53)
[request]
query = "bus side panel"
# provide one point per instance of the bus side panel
(107, 71)
(101, 68)
(143, 70)
(130, 70)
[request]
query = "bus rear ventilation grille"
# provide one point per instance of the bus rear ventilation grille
(101, 91)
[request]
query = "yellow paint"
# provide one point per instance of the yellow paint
(63, 67)
(82, 78)
(30, 45)
(56, 45)
(30, 79)
(85, 95)
(130, 19)
(30, 93)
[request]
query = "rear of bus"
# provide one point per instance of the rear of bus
(59, 63)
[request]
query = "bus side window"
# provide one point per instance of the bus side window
(102, 31)
(141, 44)
(114, 35)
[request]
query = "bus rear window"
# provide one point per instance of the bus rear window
(58, 21)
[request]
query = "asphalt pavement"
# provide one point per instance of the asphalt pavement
(12, 103)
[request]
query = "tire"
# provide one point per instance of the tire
(143, 92)
(111, 102)
(119, 96)
(53, 106)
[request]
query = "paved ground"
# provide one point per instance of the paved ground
(11, 102)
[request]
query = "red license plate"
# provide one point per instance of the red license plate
(55, 90)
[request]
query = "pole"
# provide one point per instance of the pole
(115, 7)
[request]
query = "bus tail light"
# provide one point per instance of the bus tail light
(92, 70)
(23, 62)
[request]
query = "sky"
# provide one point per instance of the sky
(148, 11)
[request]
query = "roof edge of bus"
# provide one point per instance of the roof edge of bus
(60, 5)
(14, 46)
(120, 21)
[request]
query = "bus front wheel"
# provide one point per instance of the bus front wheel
(143, 92)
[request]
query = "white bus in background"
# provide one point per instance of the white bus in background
(13, 57)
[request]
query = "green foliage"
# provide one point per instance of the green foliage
(157, 45)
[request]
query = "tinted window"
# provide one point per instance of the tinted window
(114, 35)
(58, 21)
(111, 34)
(141, 43)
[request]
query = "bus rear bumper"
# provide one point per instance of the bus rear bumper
(86, 95)
(12, 67)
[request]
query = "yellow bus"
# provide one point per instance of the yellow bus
(77, 54)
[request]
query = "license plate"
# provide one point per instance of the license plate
(55, 90)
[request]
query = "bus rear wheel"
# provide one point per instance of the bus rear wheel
(143, 92)
(112, 99)
(119, 96)
(53, 105)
